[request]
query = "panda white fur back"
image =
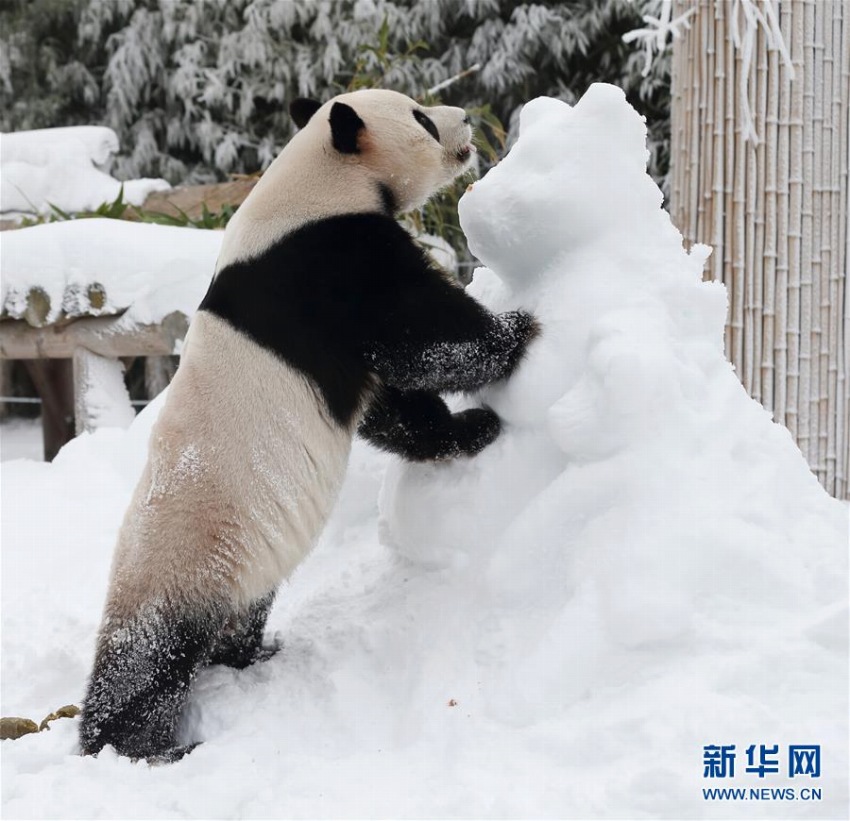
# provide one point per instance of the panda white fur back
(229, 508)
(323, 319)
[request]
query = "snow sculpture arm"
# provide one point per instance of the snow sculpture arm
(418, 426)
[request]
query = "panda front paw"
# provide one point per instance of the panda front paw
(522, 324)
(521, 328)
(475, 429)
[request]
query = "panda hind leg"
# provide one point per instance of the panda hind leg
(241, 640)
(143, 671)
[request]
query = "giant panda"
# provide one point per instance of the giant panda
(323, 318)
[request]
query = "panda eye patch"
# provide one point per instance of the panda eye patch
(427, 123)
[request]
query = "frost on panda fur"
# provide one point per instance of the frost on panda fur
(323, 314)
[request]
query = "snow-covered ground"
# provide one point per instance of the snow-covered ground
(21, 439)
(641, 566)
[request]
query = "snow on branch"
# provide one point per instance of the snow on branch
(653, 38)
(661, 25)
(452, 80)
(745, 43)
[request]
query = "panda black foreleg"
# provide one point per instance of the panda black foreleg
(241, 641)
(144, 667)
(444, 360)
(419, 426)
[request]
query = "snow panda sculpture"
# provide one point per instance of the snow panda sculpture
(323, 318)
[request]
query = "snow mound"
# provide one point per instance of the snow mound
(640, 566)
(635, 468)
(150, 269)
(640, 509)
(64, 167)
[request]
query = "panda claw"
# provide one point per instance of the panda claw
(172, 755)
(266, 651)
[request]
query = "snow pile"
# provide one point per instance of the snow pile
(642, 565)
(152, 269)
(638, 492)
(63, 167)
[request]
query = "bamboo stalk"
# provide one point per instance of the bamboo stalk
(804, 320)
(756, 219)
(733, 284)
(687, 116)
(783, 148)
(718, 153)
(821, 120)
(842, 328)
(693, 117)
(830, 256)
(770, 252)
(737, 218)
(678, 125)
(841, 144)
(832, 402)
(707, 131)
(676, 103)
(795, 219)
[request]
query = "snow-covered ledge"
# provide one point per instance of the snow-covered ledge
(96, 291)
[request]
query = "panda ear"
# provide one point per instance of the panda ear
(302, 109)
(345, 128)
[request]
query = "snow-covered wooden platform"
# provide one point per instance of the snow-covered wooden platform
(96, 291)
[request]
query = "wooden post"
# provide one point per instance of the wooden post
(5, 385)
(55, 385)
(95, 346)
(100, 395)
(159, 371)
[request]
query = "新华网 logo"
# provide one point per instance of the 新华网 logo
(719, 760)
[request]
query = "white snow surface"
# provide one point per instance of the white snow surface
(641, 565)
(21, 439)
(150, 269)
(63, 167)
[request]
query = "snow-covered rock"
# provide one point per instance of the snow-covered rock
(64, 167)
(641, 566)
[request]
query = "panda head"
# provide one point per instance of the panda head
(407, 150)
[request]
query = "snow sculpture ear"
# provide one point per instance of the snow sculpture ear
(302, 109)
(345, 128)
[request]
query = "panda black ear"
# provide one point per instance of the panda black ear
(345, 127)
(302, 109)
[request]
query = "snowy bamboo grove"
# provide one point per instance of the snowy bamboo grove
(759, 171)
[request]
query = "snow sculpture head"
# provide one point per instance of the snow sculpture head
(604, 187)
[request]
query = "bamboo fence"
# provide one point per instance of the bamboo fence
(759, 170)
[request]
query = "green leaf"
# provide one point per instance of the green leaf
(60, 214)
